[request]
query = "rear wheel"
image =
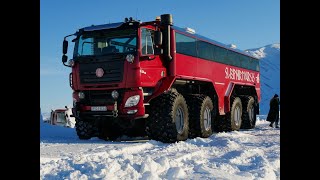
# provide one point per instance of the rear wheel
(169, 118)
(249, 114)
(201, 114)
(236, 113)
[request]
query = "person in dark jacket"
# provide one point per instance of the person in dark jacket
(273, 115)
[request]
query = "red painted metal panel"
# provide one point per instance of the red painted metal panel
(162, 86)
(221, 75)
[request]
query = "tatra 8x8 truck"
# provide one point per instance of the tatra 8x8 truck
(158, 80)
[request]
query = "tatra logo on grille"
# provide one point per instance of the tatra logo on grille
(99, 72)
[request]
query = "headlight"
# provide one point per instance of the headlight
(115, 94)
(81, 95)
(130, 58)
(132, 101)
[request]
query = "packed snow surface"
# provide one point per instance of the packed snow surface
(244, 154)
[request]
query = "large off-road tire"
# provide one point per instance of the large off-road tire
(249, 113)
(169, 118)
(236, 114)
(109, 130)
(201, 116)
(231, 120)
(85, 128)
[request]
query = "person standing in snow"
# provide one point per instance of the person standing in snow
(273, 115)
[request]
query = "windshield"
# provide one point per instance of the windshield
(104, 42)
(61, 117)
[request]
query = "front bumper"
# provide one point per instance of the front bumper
(114, 109)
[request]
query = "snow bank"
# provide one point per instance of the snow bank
(245, 154)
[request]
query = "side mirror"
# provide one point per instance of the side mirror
(64, 58)
(158, 38)
(65, 47)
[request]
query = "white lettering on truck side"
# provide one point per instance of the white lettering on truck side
(237, 74)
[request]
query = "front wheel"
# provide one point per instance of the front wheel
(169, 118)
(85, 128)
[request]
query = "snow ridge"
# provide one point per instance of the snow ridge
(245, 154)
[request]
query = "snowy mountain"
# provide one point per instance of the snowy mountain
(270, 73)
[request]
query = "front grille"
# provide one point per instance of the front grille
(112, 66)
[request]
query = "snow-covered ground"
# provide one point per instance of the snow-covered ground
(245, 154)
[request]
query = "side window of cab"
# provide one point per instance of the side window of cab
(147, 41)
